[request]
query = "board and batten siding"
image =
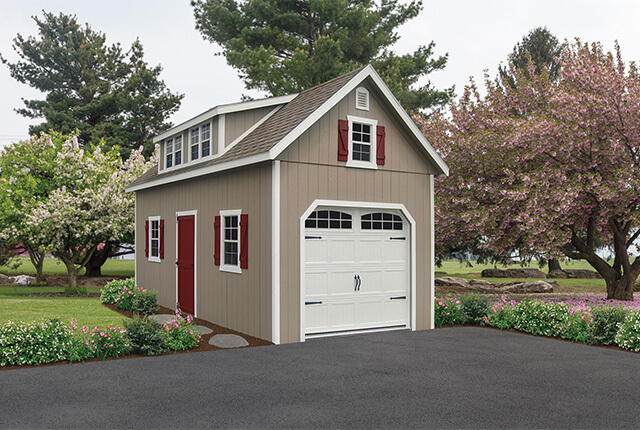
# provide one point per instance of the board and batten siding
(238, 301)
(310, 170)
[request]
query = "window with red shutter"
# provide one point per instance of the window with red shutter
(343, 140)
(380, 136)
(231, 251)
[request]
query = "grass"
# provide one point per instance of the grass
(53, 266)
(16, 306)
(461, 270)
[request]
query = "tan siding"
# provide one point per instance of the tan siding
(238, 122)
(310, 170)
(241, 302)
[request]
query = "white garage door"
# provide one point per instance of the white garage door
(356, 270)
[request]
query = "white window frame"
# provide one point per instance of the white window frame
(154, 258)
(196, 143)
(229, 267)
(371, 164)
(362, 90)
(173, 152)
(202, 139)
(167, 153)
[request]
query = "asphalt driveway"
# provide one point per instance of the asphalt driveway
(446, 378)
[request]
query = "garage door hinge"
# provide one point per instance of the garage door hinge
(313, 237)
(398, 298)
(397, 238)
(312, 303)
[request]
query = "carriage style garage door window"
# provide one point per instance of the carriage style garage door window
(357, 270)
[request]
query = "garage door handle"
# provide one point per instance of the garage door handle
(312, 303)
(358, 282)
(397, 238)
(398, 298)
(313, 237)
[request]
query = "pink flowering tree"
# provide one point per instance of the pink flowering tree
(85, 203)
(553, 167)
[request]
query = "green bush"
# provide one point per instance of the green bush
(628, 336)
(606, 320)
(108, 342)
(126, 296)
(182, 332)
(501, 314)
(447, 311)
(474, 308)
(34, 343)
(539, 318)
(146, 337)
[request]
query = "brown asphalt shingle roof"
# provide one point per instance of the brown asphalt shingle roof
(270, 132)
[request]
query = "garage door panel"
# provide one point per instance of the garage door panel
(333, 259)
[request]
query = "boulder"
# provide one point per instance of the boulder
(513, 273)
(519, 287)
(558, 274)
(5, 280)
(21, 279)
(449, 284)
(574, 274)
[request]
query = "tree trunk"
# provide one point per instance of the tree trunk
(72, 274)
(620, 289)
(37, 259)
(554, 264)
(98, 258)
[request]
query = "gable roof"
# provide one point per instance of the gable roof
(277, 130)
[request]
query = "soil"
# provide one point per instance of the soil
(83, 281)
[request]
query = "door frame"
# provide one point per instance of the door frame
(360, 205)
(195, 257)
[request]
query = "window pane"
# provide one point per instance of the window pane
(206, 148)
(387, 217)
(346, 224)
(366, 128)
(334, 224)
(169, 146)
(206, 132)
(397, 226)
(377, 216)
(195, 135)
(323, 223)
(178, 143)
(178, 157)
(154, 248)
(387, 225)
(195, 152)
(310, 223)
(357, 126)
(323, 214)
(169, 160)
(377, 225)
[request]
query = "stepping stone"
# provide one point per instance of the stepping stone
(161, 318)
(204, 330)
(228, 341)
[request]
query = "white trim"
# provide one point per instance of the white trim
(228, 267)
(136, 249)
(372, 163)
(253, 127)
(350, 332)
(368, 71)
(432, 252)
(161, 180)
(275, 252)
(359, 205)
(195, 257)
(152, 258)
(221, 135)
(222, 109)
(362, 90)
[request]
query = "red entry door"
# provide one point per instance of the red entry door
(186, 250)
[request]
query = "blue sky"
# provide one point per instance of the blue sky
(477, 35)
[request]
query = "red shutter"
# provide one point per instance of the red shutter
(380, 147)
(161, 239)
(343, 140)
(244, 241)
(216, 241)
(146, 238)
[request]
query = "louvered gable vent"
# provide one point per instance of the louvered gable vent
(362, 99)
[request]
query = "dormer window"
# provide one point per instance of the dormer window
(195, 143)
(205, 139)
(173, 151)
(200, 141)
(362, 99)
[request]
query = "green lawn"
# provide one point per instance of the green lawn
(16, 306)
(461, 270)
(53, 266)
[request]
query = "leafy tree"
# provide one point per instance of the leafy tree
(70, 200)
(100, 90)
(540, 46)
(283, 46)
(556, 166)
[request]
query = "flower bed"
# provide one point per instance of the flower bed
(587, 318)
(126, 296)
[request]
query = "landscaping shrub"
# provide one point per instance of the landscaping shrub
(34, 343)
(448, 311)
(606, 320)
(546, 319)
(628, 336)
(182, 333)
(501, 314)
(107, 342)
(474, 308)
(146, 337)
(126, 296)
(77, 291)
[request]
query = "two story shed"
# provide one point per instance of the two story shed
(293, 217)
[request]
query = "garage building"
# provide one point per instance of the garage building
(294, 217)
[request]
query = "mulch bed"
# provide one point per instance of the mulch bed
(203, 345)
(62, 295)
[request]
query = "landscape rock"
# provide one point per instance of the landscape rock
(452, 285)
(21, 279)
(5, 280)
(513, 273)
(574, 274)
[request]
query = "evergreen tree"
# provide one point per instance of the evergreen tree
(285, 46)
